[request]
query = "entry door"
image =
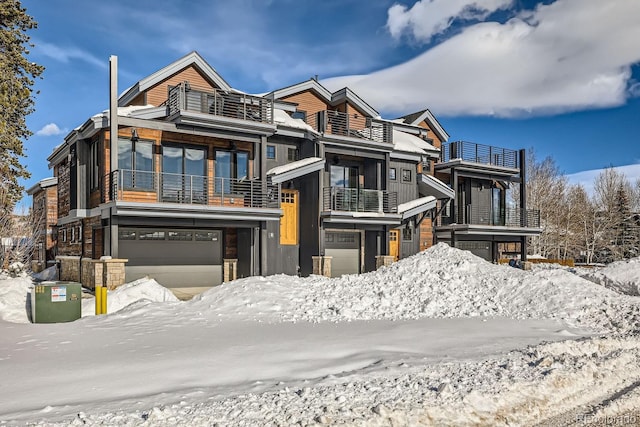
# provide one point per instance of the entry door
(394, 244)
(289, 220)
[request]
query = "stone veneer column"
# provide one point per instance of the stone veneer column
(230, 269)
(113, 274)
(92, 273)
(322, 265)
(69, 268)
(384, 260)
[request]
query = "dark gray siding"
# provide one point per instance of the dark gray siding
(407, 190)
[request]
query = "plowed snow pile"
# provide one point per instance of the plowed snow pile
(440, 282)
(621, 276)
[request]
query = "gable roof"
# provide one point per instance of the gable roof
(425, 115)
(347, 94)
(192, 58)
(311, 84)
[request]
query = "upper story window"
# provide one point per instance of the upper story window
(230, 166)
(392, 174)
(135, 161)
(94, 177)
(406, 175)
(292, 154)
(302, 115)
(271, 152)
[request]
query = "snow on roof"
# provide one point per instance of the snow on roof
(293, 165)
(280, 117)
(403, 141)
(403, 207)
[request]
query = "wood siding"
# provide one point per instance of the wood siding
(308, 101)
(158, 93)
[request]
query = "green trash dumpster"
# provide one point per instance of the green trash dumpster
(53, 302)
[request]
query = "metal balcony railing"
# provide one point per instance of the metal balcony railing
(351, 125)
(507, 217)
(359, 200)
(144, 186)
(478, 153)
(185, 97)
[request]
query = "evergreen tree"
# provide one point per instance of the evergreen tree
(17, 75)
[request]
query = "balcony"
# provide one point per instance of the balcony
(480, 154)
(360, 200)
(184, 97)
(508, 217)
(351, 125)
(152, 187)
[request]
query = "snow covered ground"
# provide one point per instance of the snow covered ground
(441, 338)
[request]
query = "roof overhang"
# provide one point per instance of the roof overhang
(170, 210)
(42, 184)
(346, 94)
(192, 58)
(310, 84)
(431, 186)
(416, 207)
(361, 218)
(479, 168)
(295, 169)
(433, 124)
(488, 230)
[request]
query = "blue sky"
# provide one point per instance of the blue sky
(562, 77)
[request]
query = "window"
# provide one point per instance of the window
(230, 165)
(406, 175)
(126, 234)
(302, 115)
(407, 233)
(271, 152)
(151, 235)
(184, 236)
(206, 236)
(183, 173)
(344, 176)
(392, 174)
(292, 154)
(135, 161)
(94, 177)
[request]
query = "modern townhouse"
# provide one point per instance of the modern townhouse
(210, 183)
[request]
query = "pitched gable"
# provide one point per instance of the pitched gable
(153, 88)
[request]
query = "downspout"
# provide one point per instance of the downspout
(113, 135)
(523, 202)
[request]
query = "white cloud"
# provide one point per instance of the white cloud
(427, 18)
(566, 56)
(587, 178)
(50, 130)
(67, 53)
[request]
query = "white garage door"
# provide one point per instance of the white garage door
(344, 247)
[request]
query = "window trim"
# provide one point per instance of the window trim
(406, 175)
(275, 152)
(393, 174)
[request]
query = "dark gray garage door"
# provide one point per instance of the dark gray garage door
(174, 258)
(344, 247)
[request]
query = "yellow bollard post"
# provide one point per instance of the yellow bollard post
(104, 300)
(98, 294)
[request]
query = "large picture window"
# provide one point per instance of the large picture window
(231, 166)
(184, 173)
(135, 162)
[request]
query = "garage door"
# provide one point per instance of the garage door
(344, 247)
(174, 258)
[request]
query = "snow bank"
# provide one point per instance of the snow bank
(14, 302)
(621, 276)
(439, 282)
(142, 290)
